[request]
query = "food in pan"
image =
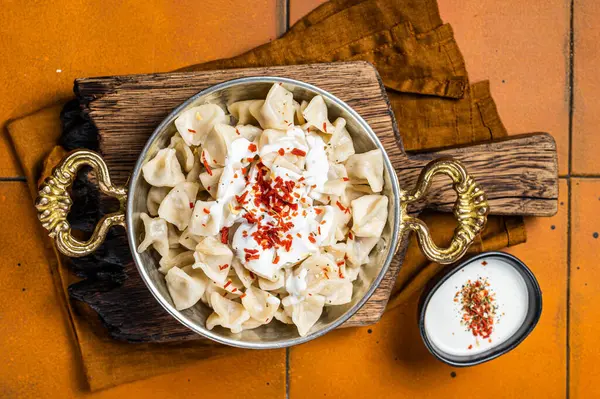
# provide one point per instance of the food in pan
(268, 217)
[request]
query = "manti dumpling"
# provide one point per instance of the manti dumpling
(156, 234)
(176, 258)
(185, 289)
(366, 168)
(340, 146)
(315, 115)
(164, 169)
(244, 111)
(194, 124)
(155, 197)
(306, 313)
(358, 249)
(184, 154)
(227, 313)
(369, 215)
(214, 258)
(176, 207)
(278, 110)
(260, 304)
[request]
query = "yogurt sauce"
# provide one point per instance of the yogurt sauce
(444, 311)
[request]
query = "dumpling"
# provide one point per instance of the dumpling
(306, 313)
(173, 236)
(366, 167)
(249, 132)
(189, 240)
(164, 169)
(218, 141)
(268, 285)
(241, 111)
(278, 110)
(210, 181)
(340, 146)
(155, 197)
(156, 234)
(184, 289)
(354, 191)
(194, 124)
(227, 313)
(177, 206)
(283, 317)
(315, 115)
(298, 109)
(193, 175)
(214, 258)
(324, 278)
(260, 304)
(206, 219)
(337, 180)
(358, 249)
(176, 258)
(246, 276)
(184, 154)
(369, 214)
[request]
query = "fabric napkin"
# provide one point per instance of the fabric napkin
(434, 104)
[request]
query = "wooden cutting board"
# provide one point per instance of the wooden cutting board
(519, 174)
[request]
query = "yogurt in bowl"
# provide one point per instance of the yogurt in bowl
(481, 309)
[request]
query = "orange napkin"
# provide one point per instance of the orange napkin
(435, 106)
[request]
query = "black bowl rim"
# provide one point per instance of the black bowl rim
(534, 312)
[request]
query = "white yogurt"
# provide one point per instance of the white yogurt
(443, 315)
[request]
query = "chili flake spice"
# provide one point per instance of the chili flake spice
(478, 307)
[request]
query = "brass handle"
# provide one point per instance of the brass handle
(53, 203)
(471, 209)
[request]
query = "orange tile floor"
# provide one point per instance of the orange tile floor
(540, 57)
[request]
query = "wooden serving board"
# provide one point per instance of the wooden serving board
(519, 174)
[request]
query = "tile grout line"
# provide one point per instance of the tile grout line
(286, 11)
(13, 179)
(569, 192)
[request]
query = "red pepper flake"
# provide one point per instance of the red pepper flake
(223, 267)
(244, 170)
(301, 178)
(243, 295)
(252, 147)
(350, 236)
(470, 347)
(281, 152)
(319, 230)
(191, 131)
(484, 263)
(191, 205)
(325, 127)
(206, 211)
(318, 211)
(208, 169)
(339, 205)
(326, 275)
(235, 175)
(241, 198)
(345, 179)
(245, 233)
(312, 239)
(233, 290)
(250, 159)
(276, 259)
(478, 307)
(227, 284)
(298, 152)
(237, 131)
(224, 235)
(340, 263)
(299, 235)
(208, 188)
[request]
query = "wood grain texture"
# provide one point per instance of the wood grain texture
(518, 174)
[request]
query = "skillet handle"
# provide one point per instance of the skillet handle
(471, 210)
(54, 203)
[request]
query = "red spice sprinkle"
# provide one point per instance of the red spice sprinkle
(244, 170)
(478, 307)
(326, 275)
(340, 263)
(312, 239)
(208, 169)
(319, 230)
(484, 263)
(191, 205)
(345, 179)
(281, 152)
(227, 284)
(206, 211)
(244, 233)
(208, 188)
(339, 205)
(223, 267)
(276, 259)
(191, 131)
(304, 213)
(241, 198)
(234, 290)
(325, 127)
(235, 175)
(251, 251)
(299, 152)
(470, 347)
(303, 200)
(250, 159)
(252, 147)
(243, 295)
(301, 178)
(350, 236)
(299, 235)
(318, 211)
(237, 132)
(224, 235)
